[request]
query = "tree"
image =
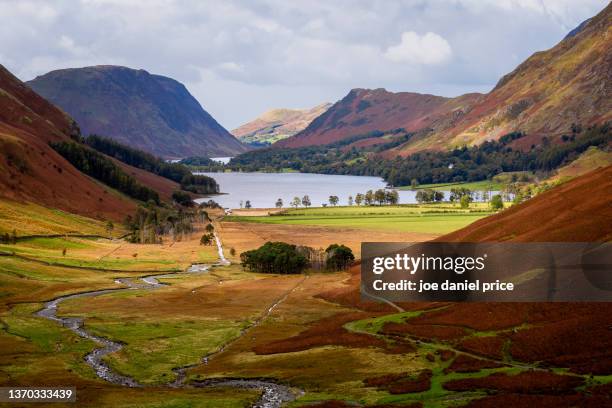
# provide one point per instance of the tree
(210, 228)
(279, 203)
(333, 200)
(380, 196)
(339, 257)
(306, 201)
(182, 198)
(414, 183)
(350, 200)
(109, 228)
(465, 201)
(392, 197)
(496, 202)
(207, 239)
(296, 202)
(232, 251)
(359, 199)
(241, 203)
(438, 196)
(369, 197)
(247, 204)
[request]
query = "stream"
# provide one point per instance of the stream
(273, 395)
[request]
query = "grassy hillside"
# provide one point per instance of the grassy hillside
(34, 219)
(588, 161)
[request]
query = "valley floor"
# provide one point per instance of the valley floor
(310, 332)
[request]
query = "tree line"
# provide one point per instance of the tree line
(463, 164)
(100, 167)
(177, 172)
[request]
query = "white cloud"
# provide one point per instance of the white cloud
(428, 49)
(241, 57)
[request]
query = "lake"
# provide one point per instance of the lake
(263, 189)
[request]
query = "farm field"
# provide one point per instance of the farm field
(424, 219)
(475, 185)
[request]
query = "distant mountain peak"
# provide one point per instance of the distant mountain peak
(277, 124)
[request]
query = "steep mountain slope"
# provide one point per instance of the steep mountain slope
(367, 110)
(149, 112)
(33, 171)
(569, 84)
(278, 124)
(578, 210)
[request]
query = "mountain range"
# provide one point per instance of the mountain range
(569, 84)
(149, 112)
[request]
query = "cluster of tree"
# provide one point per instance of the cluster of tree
(100, 167)
(173, 171)
(151, 222)
(199, 184)
(274, 257)
(463, 164)
(429, 196)
(197, 161)
(183, 198)
(339, 257)
(283, 258)
(380, 197)
(7, 238)
(208, 238)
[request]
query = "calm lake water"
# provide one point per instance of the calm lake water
(263, 189)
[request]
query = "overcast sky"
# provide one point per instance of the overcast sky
(240, 58)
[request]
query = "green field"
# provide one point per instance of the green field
(475, 185)
(435, 218)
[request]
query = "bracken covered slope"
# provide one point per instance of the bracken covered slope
(569, 84)
(579, 210)
(150, 112)
(366, 110)
(278, 124)
(30, 170)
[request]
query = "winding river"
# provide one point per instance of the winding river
(273, 394)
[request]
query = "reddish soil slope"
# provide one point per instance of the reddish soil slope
(32, 171)
(578, 210)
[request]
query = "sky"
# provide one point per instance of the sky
(241, 58)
